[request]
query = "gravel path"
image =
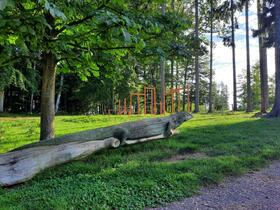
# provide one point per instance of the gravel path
(257, 191)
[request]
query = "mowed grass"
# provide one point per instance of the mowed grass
(136, 176)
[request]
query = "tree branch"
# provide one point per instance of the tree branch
(78, 22)
(101, 48)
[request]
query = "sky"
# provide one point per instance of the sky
(222, 56)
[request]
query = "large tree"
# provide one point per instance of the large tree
(270, 19)
(72, 33)
(162, 69)
(197, 78)
(276, 107)
(233, 55)
(211, 59)
(263, 60)
(226, 13)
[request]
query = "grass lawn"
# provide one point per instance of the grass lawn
(137, 176)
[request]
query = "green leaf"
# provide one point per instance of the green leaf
(96, 73)
(140, 45)
(93, 67)
(12, 39)
(126, 35)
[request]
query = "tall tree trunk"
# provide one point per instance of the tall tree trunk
(276, 107)
(2, 93)
(113, 98)
(263, 63)
(197, 79)
(184, 88)
(172, 73)
(172, 58)
(162, 82)
(249, 89)
(31, 103)
(57, 103)
(177, 84)
(162, 70)
(233, 58)
(211, 60)
(48, 96)
(144, 73)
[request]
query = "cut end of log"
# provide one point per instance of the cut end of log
(116, 143)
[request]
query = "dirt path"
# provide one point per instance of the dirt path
(258, 190)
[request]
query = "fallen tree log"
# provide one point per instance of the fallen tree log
(25, 162)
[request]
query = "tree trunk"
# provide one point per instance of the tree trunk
(22, 164)
(172, 58)
(59, 93)
(249, 89)
(276, 107)
(233, 58)
(2, 93)
(263, 63)
(31, 103)
(173, 5)
(177, 84)
(184, 90)
(163, 8)
(48, 96)
(162, 70)
(162, 83)
(172, 73)
(210, 109)
(197, 79)
(144, 73)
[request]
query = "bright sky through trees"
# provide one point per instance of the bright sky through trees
(222, 54)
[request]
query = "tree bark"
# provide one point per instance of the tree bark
(263, 63)
(210, 110)
(162, 70)
(276, 107)
(249, 89)
(172, 58)
(177, 84)
(48, 96)
(173, 5)
(57, 103)
(162, 83)
(197, 73)
(233, 58)
(172, 73)
(31, 103)
(22, 164)
(2, 94)
(185, 86)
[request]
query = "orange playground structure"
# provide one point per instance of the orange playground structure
(147, 102)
